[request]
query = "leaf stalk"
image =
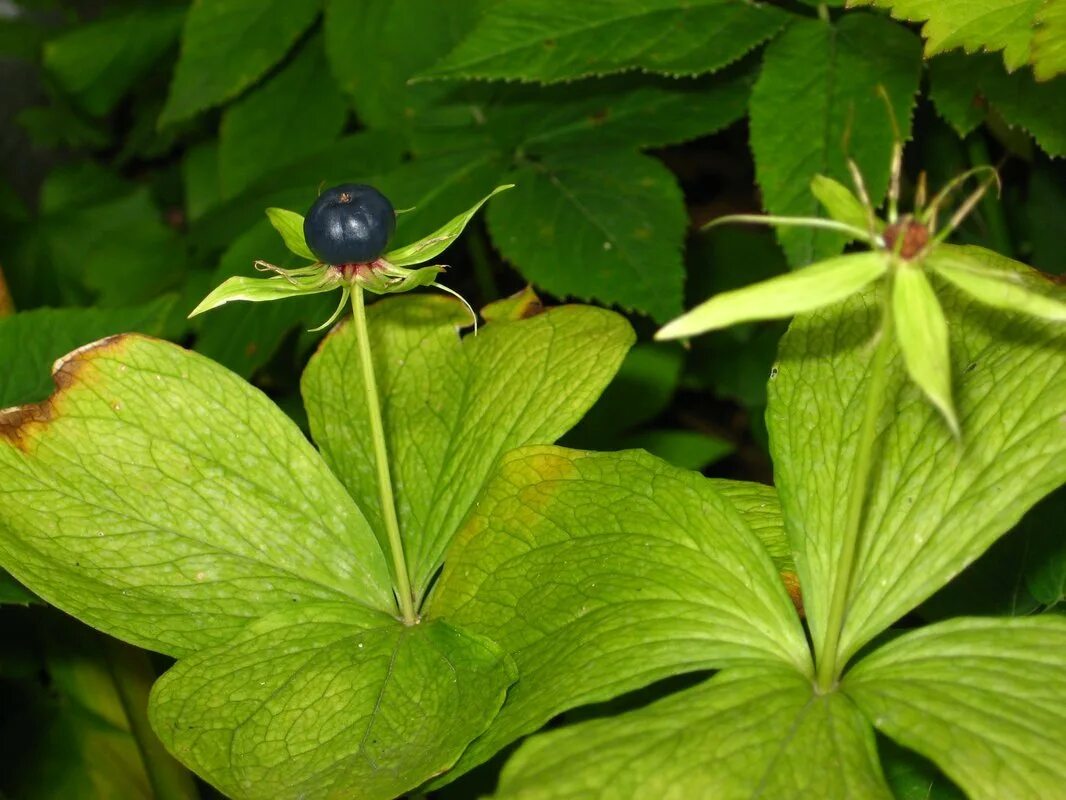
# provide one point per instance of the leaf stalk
(828, 666)
(381, 459)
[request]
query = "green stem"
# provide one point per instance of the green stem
(828, 657)
(132, 675)
(381, 458)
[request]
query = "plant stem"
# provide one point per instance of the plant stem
(132, 675)
(381, 458)
(828, 657)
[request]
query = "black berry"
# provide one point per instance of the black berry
(349, 224)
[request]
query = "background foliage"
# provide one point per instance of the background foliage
(141, 143)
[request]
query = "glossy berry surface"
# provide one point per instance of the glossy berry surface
(349, 224)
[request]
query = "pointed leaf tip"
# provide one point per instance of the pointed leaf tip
(806, 289)
(922, 332)
(291, 227)
(260, 290)
(438, 241)
(999, 288)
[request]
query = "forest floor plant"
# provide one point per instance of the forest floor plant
(438, 580)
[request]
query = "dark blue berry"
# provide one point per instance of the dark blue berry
(349, 224)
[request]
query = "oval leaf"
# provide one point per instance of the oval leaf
(807, 289)
(923, 338)
(438, 241)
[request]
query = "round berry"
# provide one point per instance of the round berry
(349, 224)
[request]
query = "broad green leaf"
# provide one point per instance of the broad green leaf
(437, 242)
(745, 733)
(1049, 40)
(963, 88)
(291, 227)
(981, 697)
(30, 341)
(806, 289)
(922, 333)
(817, 102)
(229, 44)
(1000, 288)
(99, 62)
(761, 509)
(990, 25)
(199, 177)
(159, 497)
(936, 503)
(290, 116)
(601, 573)
(453, 406)
(245, 336)
(260, 290)
(620, 111)
(608, 225)
(552, 40)
(406, 37)
(841, 203)
(330, 700)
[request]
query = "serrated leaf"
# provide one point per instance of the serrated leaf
(990, 25)
(621, 111)
(606, 224)
(383, 96)
(392, 704)
(100, 61)
(981, 697)
(806, 289)
(226, 46)
(935, 503)
(922, 333)
(1049, 40)
(437, 242)
(30, 341)
(745, 733)
(194, 503)
(841, 203)
(963, 87)
(291, 227)
(817, 102)
(260, 290)
(454, 405)
(549, 40)
(597, 585)
(291, 115)
(1001, 288)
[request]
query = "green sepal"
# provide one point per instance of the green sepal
(386, 278)
(999, 288)
(291, 227)
(841, 204)
(806, 289)
(261, 290)
(437, 242)
(922, 333)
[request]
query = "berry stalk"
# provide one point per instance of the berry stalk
(381, 458)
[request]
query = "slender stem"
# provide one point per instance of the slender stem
(828, 666)
(381, 457)
(132, 675)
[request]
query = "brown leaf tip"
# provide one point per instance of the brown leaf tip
(16, 422)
